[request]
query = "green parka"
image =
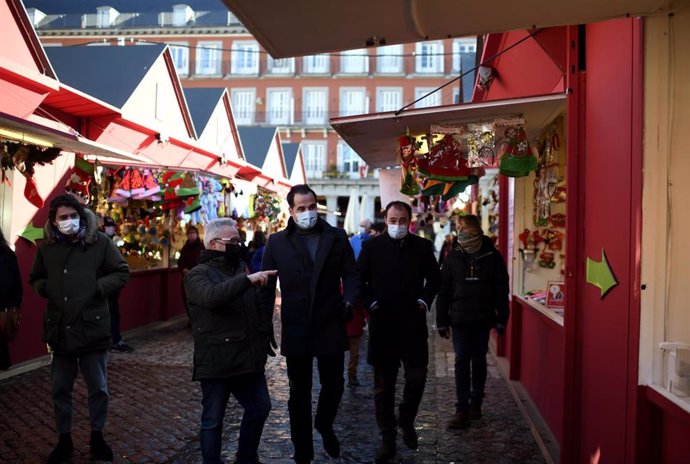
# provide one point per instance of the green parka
(76, 279)
(230, 336)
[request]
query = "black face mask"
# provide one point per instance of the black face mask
(232, 254)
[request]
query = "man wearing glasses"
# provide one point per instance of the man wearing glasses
(312, 259)
(231, 341)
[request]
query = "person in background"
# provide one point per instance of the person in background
(400, 278)
(231, 341)
(472, 300)
(10, 292)
(119, 344)
(378, 229)
(77, 268)
(313, 258)
(189, 256)
(355, 328)
(258, 246)
(447, 246)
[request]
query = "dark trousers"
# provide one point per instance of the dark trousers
(114, 308)
(470, 343)
(299, 405)
(385, 379)
(63, 372)
(251, 392)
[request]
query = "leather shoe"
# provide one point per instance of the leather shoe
(330, 442)
(385, 452)
(409, 436)
(459, 421)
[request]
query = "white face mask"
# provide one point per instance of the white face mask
(362, 230)
(68, 226)
(306, 219)
(397, 231)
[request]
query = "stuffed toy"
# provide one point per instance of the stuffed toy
(78, 182)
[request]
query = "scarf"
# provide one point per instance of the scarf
(472, 245)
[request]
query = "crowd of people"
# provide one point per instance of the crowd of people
(331, 287)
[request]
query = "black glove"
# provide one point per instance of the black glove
(272, 345)
(444, 333)
(347, 311)
(500, 329)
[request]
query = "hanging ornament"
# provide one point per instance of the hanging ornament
(408, 163)
(517, 159)
(480, 148)
(78, 183)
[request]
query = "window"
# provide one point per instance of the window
(244, 58)
(353, 101)
(314, 158)
(243, 106)
(182, 14)
(432, 100)
(429, 58)
(354, 62)
(208, 58)
(348, 161)
(463, 49)
(279, 110)
(105, 16)
(317, 64)
(180, 56)
(389, 59)
(281, 66)
(388, 99)
(315, 106)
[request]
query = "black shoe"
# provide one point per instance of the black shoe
(330, 442)
(121, 347)
(409, 436)
(63, 450)
(385, 452)
(100, 450)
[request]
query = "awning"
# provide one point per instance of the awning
(375, 136)
(304, 27)
(20, 130)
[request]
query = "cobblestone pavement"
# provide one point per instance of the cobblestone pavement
(155, 409)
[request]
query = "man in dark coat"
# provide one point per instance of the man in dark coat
(231, 341)
(76, 269)
(473, 299)
(312, 258)
(400, 278)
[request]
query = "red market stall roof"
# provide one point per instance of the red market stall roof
(334, 26)
(375, 136)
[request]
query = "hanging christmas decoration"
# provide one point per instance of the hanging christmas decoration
(517, 159)
(78, 183)
(480, 148)
(408, 182)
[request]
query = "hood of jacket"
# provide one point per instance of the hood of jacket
(91, 229)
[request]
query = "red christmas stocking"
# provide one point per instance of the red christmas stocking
(78, 183)
(31, 193)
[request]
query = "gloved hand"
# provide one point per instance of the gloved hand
(347, 310)
(374, 307)
(444, 333)
(500, 329)
(271, 344)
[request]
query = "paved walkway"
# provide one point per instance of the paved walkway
(155, 410)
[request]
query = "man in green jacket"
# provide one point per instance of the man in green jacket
(76, 269)
(231, 341)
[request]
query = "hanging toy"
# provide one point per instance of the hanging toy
(480, 148)
(517, 159)
(78, 183)
(408, 180)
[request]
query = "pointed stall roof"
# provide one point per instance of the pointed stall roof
(256, 143)
(201, 103)
(111, 74)
(295, 163)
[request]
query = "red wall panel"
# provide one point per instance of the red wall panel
(606, 213)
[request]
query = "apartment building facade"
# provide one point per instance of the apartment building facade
(211, 48)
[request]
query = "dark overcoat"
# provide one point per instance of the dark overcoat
(396, 274)
(312, 302)
(77, 278)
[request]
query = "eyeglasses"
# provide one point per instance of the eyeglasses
(232, 241)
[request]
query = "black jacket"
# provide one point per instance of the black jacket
(396, 274)
(312, 304)
(10, 280)
(77, 279)
(230, 337)
(481, 296)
